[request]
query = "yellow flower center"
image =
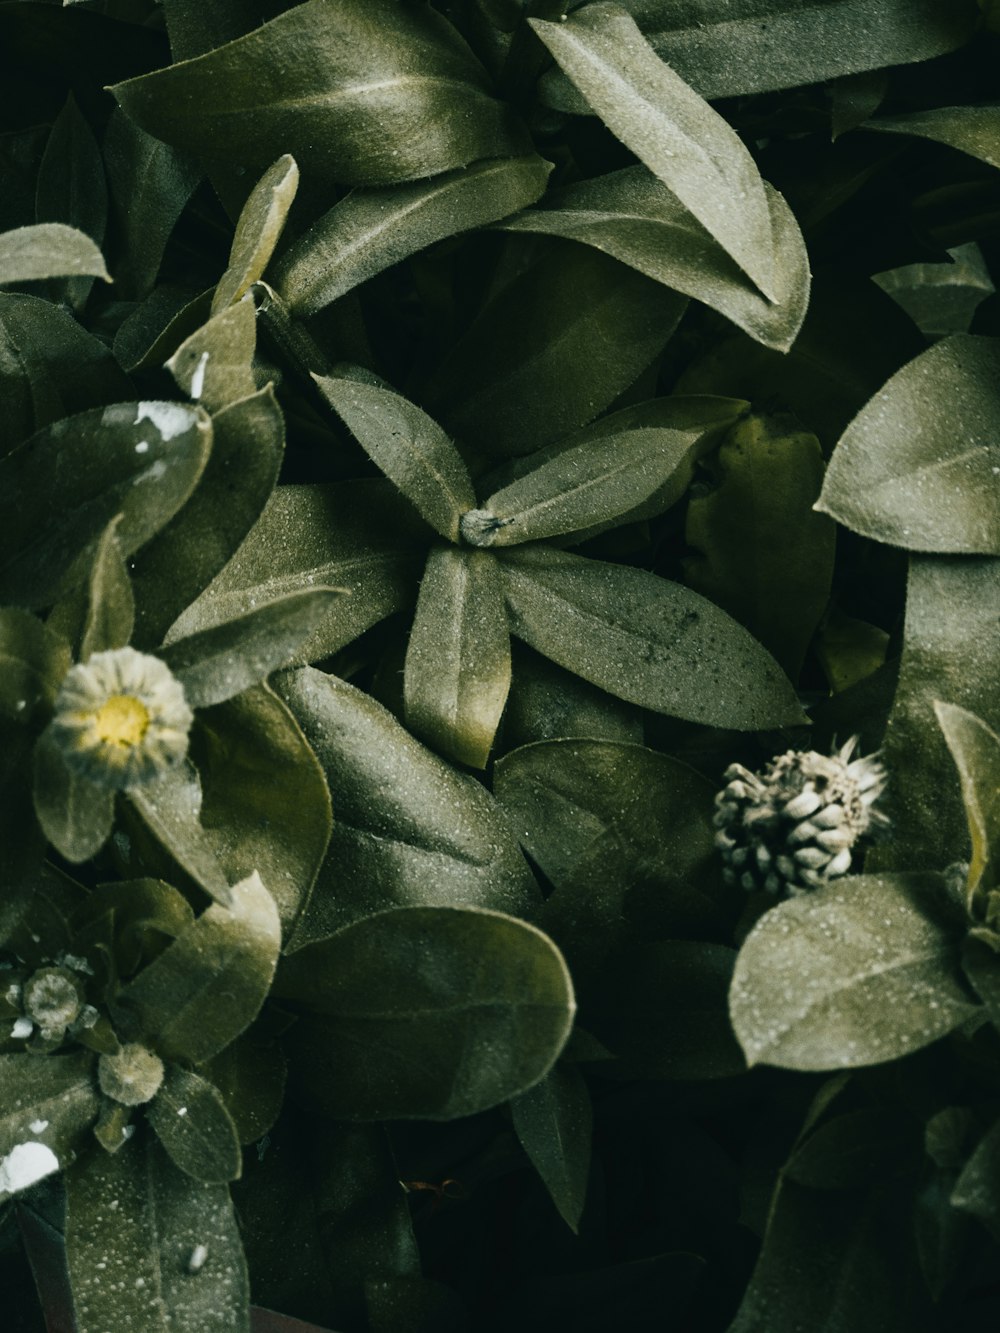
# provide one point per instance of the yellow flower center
(122, 720)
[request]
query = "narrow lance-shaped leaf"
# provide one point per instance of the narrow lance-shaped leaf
(49, 250)
(976, 752)
(71, 186)
(258, 231)
(971, 129)
(371, 229)
(458, 659)
(696, 154)
(554, 1121)
(111, 610)
(410, 448)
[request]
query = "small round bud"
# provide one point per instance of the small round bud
(132, 1076)
(52, 998)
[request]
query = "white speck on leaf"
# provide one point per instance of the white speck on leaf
(25, 1165)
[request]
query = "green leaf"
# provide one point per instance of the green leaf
(693, 151)
(634, 217)
(248, 444)
(858, 973)
(266, 802)
(917, 467)
(22, 846)
(192, 1123)
(547, 702)
(111, 608)
(214, 365)
(250, 1075)
(76, 816)
(649, 641)
(168, 818)
(971, 129)
(141, 460)
(71, 187)
(552, 350)
(976, 752)
(258, 231)
(411, 449)
(369, 230)
(358, 535)
(49, 250)
(764, 555)
(208, 986)
(215, 664)
(369, 96)
(553, 1122)
(33, 662)
(49, 1100)
(976, 1188)
(171, 1250)
(457, 670)
(150, 185)
(134, 919)
(408, 1000)
(409, 829)
(851, 1150)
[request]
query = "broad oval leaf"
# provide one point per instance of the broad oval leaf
(693, 151)
(976, 752)
(854, 974)
(141, 460)
(258, 231)
(49, 1102)
(632, 216)
(192, 1123)
(411, 449)
(652, 642)
(49, 250)
(426, 1013)
(371, 229)
(919, 466)
(369, 95)
(409, 829)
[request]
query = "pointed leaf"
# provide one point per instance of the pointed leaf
(645, 639)
(47, 1107)
(667, 125)
(918, 466)
(192, 1123)
(76, 816)
(976, 1188)
(71, 187)
(214, 365)
(168, 811)
(258, 231)
(33, 662)
(369, 230)
(553, 1122)
(411, 449)
(858, 973)
(111, 609)
(976, 752)
(49, 250)
(407, 1001)
(458, 659)
(971, 129)
(631, 215)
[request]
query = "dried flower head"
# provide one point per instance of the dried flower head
(794, 826)
(121, 718)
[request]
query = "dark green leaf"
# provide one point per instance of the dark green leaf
(250, 1075)
(855, 97)
(33, 661)
(208, 986)
(192, 1123)
(75, 815)
(852, 1150)
(111, 607)
(553, 1121)
(215, 664)
(976, 752)
(257, 232)
(971, 129)
(409, 829)
(853, 974)
(369, 96)
(22, 846)
(696, 153)
(458, 660)
(411, 449)
(49, 250)
(649, 641)
(168, 812)
(170, 1248)
(47, 1107)
(941, 299)
(631, 215)
(370, 230)
(214, 365)
(976, 1190)
(546, 702)
(133, 918)
(917, 467)
(71, 187)
(142, 460)
(426, 1013)
(552, 350)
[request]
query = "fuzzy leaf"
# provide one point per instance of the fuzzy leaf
(850, 975)
(49, 250)
(971, 129)
(214, 365)
(918, 466)
(426, 1013)
(168, 811)
(192, 1123)
(111, 607)
(649, 641)
(258, 231)
(75, 815)
(553, 1121)
(53, 1101)
(369, 230)
(33, 662)
(976, 752)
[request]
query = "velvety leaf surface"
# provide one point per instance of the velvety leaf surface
(139, 459)
(857, 973)
(976, 752)
(148, 1224)
(553, 1121)
(33, 661)
(250, 1075)
(75, 815)
(369, 230)
(50, 1101)
(170, 837)
(368, 95)
(427, 1013)
(214, 365)
(111, 606)
(193, 1125)
(649, 641)
(207, 987)
(971, 129)
(551, 351)
(258, 231)
(634, 217)
(409, 829)
(457, 670)
(918, 466)
(49, 250)
(693, 151)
